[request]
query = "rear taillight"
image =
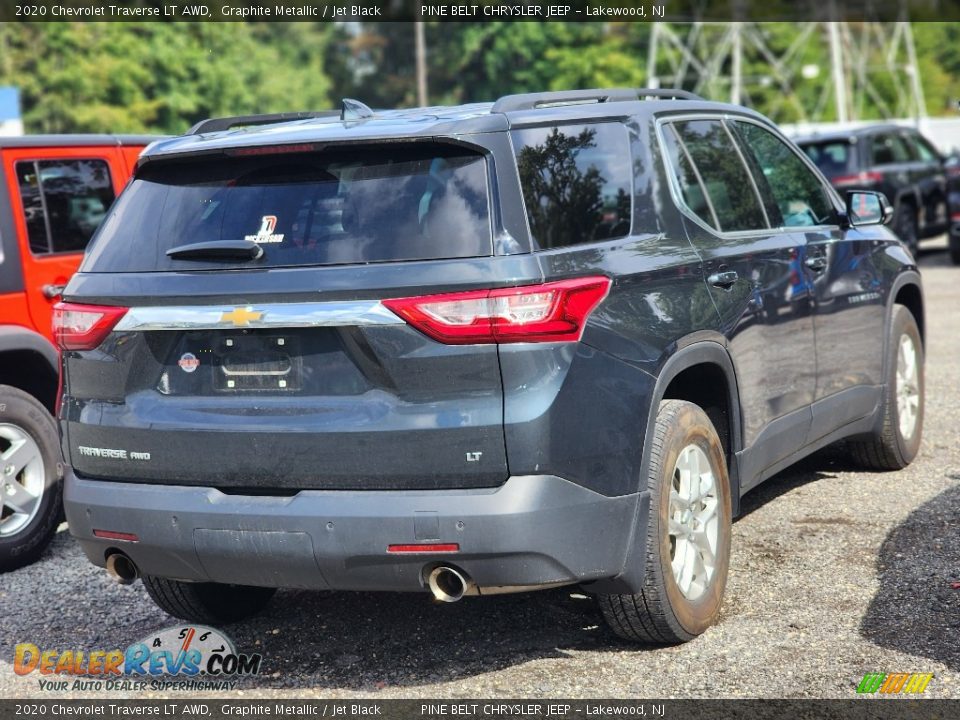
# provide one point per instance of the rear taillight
(552, 312)
(864, 178)
(83, 327)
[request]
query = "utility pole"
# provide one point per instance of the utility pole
(920, 102)
(736, 85)
(839, 78)
(421, 52)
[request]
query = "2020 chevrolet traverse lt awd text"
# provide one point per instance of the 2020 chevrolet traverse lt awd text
(491, 348)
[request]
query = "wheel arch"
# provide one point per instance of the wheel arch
(702, 372)
(698, 356)
(907, 291)
(29, 362)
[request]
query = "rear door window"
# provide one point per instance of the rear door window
(576, 182)
(339, 206)
(706, 161)
(64, 201)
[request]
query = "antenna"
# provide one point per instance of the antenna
(354, 110)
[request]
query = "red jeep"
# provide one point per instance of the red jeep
(54, 190)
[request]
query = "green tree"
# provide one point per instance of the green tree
(160, 77)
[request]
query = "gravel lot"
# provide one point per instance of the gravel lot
(835, 573)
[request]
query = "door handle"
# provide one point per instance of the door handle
(723, 279)
(817, 263)
(52, 291)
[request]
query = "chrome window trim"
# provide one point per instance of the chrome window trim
(272, 315)
(677, 196)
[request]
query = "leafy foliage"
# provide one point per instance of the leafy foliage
(163, 77)
(159, 77)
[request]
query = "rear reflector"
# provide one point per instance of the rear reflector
(551, 312)
(421, 549)
(83, 327)
(111, 535)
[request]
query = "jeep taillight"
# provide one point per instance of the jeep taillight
(83, 327)
(551, 312)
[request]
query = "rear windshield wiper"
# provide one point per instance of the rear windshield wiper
(217, 250)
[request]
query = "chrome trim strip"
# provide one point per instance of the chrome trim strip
(271, 315)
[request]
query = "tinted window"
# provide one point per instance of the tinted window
(576, 182)
(64, 202)
(798, 193)
(729, 189)
(835, 157)
(354, 205)
(888, 149)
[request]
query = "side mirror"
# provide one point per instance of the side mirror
(865, 207)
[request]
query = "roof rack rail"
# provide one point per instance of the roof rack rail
(226, 123)
(534, 101)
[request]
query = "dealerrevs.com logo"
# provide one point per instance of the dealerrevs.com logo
(190, 657)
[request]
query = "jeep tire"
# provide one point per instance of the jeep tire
(30, 478)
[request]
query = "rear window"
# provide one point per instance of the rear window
(576, 182)
(350, 205)
(837, 157)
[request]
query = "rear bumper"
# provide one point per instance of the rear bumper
(533, 531)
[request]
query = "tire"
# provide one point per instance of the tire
(31, 487)
(906, 227)
(208, 603)
(662, 612)
(954, 242)
(895, 445)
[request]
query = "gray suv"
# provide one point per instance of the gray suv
(493, 348)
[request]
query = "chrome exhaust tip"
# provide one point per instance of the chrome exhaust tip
(121, 568)
(449, 584)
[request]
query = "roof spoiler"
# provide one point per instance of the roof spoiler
(351, 110)
(534, 101)
(227, 123)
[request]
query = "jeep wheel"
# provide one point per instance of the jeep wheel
(30, 487)
(208, 603)
(687, 544)
(897, 442)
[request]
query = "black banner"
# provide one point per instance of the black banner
(476, 10)
(854, 709)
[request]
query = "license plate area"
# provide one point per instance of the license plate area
(251, 361)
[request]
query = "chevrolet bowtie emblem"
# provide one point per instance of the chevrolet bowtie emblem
(241, 317)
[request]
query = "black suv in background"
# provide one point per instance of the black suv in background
(897, 161)
(546, 341)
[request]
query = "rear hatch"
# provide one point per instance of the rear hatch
(258, 356)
